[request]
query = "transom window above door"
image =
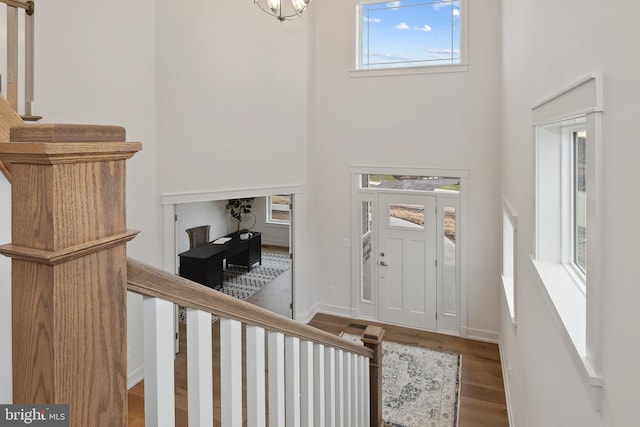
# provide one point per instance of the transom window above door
(409, 182)
(410, 34)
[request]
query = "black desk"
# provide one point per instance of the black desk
(205, 263)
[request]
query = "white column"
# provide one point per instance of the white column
(330, 386)
(159, 400)
(276, 379)
(292, 376)
(306, 383)
(346, 418)
(355, 391)
(318, 385)
(231, 372)
(366, 395)
(199, 368)
(339, 384)
(256, 408)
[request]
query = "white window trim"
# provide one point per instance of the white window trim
(509, 219)
(356, 46)
(577, 315)
(268, 211)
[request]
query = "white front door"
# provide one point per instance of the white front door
(406, 257)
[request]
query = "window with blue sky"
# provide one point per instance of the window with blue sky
(409, 33)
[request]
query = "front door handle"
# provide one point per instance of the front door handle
(384, 264)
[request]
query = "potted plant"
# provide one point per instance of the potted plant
(238, 209)
(244, 234)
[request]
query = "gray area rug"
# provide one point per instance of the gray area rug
(420, 386)
(241, 283)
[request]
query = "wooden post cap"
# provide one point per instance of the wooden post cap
(66, 133)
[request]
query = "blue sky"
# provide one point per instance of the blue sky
(397, 32)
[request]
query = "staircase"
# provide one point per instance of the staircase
(17, 41)
(70, 277)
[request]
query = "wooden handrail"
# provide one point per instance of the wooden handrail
(8, 119)
(150, 281)
(28, 6)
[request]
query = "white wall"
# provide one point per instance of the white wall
(546, 46)
(435, 120)
(96, 65)
(232, 102)
(272, 234)
(211, 213)
(232, 88)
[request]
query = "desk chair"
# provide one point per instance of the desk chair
(198, 236)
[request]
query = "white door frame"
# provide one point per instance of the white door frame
(169, 202)
(369, 309)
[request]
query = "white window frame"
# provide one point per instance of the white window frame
(509, 252)
(574, 302)
(356, 54)
(573, 245)
(269, 211)
(568, 205)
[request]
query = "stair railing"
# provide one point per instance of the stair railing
(313, 377)
(70, 277)
(20, 35)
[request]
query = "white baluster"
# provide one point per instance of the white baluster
(256, 415)
(231, 372)
(366, 394)
(330, 386)
(355, 390)
(346, 418)
(292, 376)
(276, 379)
(318, 385)
(199, 368)
(339, 388)
(306, 383)
(159, 401)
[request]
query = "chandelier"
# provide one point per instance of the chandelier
(283, 9)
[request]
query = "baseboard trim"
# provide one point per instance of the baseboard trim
(275, 242)
(334, 309)
(135, 376)
(506, 381)
(480, 335)
(306, 317)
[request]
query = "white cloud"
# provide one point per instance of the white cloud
(445, 51)
(374, 20)
(438, 6)
(393, 4)
(402, 26)
(424, 28)
(443, 4)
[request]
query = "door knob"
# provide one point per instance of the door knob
(384, 264)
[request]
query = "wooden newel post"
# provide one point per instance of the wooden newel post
(69, 271)
(372, 338)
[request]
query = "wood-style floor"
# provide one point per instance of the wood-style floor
(482, 397)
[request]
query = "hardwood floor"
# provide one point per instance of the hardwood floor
(482, 397)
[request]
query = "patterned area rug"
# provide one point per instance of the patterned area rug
(420, 386)
(241, 284)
